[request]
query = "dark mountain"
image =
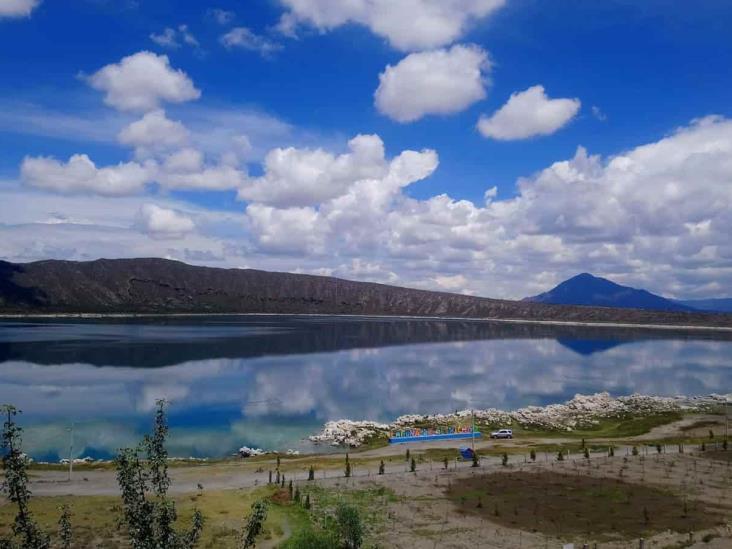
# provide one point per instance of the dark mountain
(723, 305)
(160, 286)
(593, 291)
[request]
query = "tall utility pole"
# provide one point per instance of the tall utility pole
(71, 449)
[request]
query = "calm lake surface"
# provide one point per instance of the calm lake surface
(269, 381)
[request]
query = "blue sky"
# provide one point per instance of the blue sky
(303, 76)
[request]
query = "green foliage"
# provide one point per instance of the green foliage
(15, 486)
(254, 525)
(148, 513)
(64, 527)
(476, 460)
(312, 539)
(349, 526)
(504, 459)
(307, 501)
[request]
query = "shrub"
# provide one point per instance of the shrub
(312, 539)
(349, 526)
(254, 524)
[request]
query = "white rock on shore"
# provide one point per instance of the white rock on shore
(581, 411)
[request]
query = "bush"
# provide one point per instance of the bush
(349, 526)
(312, 539)
(254, 524)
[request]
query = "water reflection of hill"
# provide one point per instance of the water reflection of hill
(588, 347)
(155, 343)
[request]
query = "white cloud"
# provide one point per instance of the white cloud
(169, 37)
(154, 131)
(140, 82)
(17, 8)
(244, 38)
(303, 177)
(655, 216)
(80, 174)
(163, 222)
(408, 25)
(527, 114)
(221, 16)
(433, 82)
(166, 39)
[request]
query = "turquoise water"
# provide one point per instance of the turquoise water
(270, 381)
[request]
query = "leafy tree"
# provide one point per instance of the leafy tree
(149, 514)
(15, 486)
(254, 524)
(64, 527)
(349, 526)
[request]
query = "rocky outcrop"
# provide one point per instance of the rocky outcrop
(581, 412)
(160, 286)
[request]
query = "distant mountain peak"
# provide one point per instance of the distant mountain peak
(594, 291)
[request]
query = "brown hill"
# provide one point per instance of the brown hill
(164, 286)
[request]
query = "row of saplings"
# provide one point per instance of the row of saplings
(149, 516)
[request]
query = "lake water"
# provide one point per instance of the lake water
(269, 381)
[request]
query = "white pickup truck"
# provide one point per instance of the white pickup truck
(502, 433)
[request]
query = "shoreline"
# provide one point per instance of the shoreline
(654, 327)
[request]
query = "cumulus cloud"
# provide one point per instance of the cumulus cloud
(442, 81)
(244, 38)
(80, 174)
(163, 222)
(140, 82)
(154, 131)
(527, 114)
(655, 216)
(303, 177)
(17, 8)
(407, 25)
